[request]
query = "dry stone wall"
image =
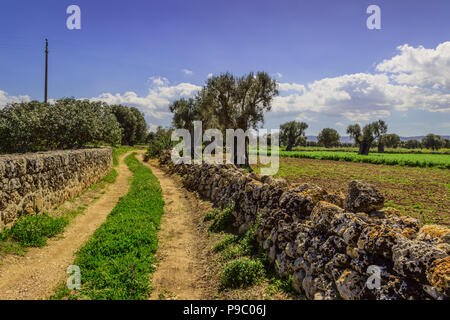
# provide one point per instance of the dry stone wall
(35, 182)
(329, 243)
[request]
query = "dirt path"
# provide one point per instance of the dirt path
(36, 274)
(180, 271)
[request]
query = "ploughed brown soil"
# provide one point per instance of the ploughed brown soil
(423, 193)
(40, 270)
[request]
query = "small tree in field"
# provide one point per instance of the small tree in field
(292, 134)
(329, 138)
(413, 144)
(433, 142)
(391, 140)
(446, 143)
(379, 129)
(364, 139)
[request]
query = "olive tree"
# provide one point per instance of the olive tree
(363, 139)
(432, 141)
(292, 134)
(230, 102)
(390, 140)
(413, 144)
(379, 129)
(329, 137)
(132, 123)
(185, 112)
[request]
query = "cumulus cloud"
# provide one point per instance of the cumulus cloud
(418, 78)
(6, 99)
(187, 71)
(284, 86)
(156, 102)
(420, 66)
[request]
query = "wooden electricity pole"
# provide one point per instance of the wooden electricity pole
(46, 70)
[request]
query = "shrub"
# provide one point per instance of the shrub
(233, 251)
(33, 231)
(34, 126)
(248, 240)
(159, 141)
(242, 272)
(223, 220)
(211, 215)
(225, 242)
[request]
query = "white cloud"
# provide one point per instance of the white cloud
(417, 78)
(279, 75)
(187, 71)
(420, 66)
(6, 99)
(420, 81)
(210, 75)
(158, 81)
(304, 117)
(284, 86)
(156, 102)
(340, 124)
(152, 127)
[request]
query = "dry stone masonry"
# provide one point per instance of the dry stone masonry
(35, 182)
(328, 243)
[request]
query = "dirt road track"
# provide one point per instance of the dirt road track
(180, 270)
(36, 274)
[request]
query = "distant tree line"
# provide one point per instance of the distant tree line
(68, 123)
(292, 134)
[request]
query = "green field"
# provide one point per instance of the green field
(372, 150)
(412, 160)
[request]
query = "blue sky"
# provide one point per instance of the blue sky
(333, 70)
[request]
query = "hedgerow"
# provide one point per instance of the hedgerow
(68, 123)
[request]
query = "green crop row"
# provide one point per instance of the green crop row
(412, 160)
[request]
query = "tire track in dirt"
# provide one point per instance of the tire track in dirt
(180, 270)
(35, 275)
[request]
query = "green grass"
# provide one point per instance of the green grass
(222, 220)
(33, 231)
(116, 261)
(118, 151)
(412, 160)
(111, 176)
(242, 272)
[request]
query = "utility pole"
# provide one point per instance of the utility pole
(46, 69)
